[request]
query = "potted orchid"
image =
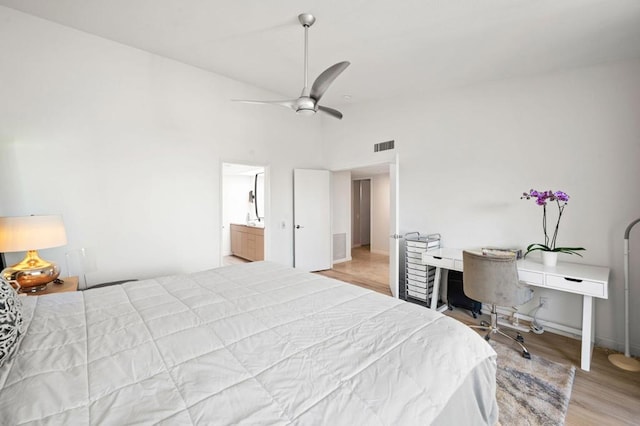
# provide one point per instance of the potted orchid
(549, 249)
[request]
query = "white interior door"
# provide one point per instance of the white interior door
(394, 241)
(312, 219)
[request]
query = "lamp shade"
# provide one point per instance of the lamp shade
(25, 233)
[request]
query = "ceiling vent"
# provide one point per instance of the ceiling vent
(383, 146)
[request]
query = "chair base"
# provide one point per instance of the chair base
(493, 329)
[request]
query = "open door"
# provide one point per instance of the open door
(394, 242)
(312, 219)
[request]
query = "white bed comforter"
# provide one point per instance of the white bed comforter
(258, 343)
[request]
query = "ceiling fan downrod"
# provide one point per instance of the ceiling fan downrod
(307, 20)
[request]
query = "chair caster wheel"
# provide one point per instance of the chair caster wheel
(484, 323)
(474, 314)
(519, 338)
(526, 355)
(450, 307)
(487, 337)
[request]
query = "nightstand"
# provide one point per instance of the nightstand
(70, 284)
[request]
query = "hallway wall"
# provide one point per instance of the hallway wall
(380, 204)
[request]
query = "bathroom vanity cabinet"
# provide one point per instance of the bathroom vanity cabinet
(247, 242)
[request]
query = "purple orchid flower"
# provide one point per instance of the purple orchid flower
(542, 198)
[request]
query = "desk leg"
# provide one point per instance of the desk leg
(436, 290)
(588, 318)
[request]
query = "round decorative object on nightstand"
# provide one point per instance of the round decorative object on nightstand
(32, 273)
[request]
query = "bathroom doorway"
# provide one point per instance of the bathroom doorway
(243, 213)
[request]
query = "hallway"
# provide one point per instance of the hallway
(366, 269)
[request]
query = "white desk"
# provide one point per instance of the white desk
(586, 280)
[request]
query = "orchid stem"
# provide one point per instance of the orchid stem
(544, 225)
(555, 233)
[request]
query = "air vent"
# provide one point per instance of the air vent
(383, 146)
(340, 246)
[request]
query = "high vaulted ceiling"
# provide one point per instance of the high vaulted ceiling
(396, 48)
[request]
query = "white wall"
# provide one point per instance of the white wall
(341, 208)
(467, 155)
(380, 214)
(236, 205)
(127, 146)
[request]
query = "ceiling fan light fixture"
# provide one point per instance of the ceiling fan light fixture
(306, 112)
(305, 103)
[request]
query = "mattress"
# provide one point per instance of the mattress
(257, 343)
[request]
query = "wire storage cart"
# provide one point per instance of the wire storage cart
(419, 278)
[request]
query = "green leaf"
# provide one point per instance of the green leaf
(570, 250)
(542, 247)
(535, 247)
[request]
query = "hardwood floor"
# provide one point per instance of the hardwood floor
(233, 260)
(605, 395)
(370, 270)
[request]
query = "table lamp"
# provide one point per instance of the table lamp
(31, 233)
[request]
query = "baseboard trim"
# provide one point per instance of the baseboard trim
(555, 328)
(571, 332)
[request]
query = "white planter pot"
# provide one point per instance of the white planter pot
(549, 258)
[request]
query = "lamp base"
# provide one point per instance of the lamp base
(32, 273)
(624, 362)
(34, 289)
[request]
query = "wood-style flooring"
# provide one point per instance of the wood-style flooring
(233, 260)
(605, 395)
(366, 269)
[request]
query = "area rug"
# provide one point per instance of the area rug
(531, 392)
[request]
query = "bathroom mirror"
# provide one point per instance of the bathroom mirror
(258, 197)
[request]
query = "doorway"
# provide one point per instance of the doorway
(243, 194)
(362, 203)
(360, 213)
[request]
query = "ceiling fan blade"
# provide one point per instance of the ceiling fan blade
(287, 104)
(332, 112)
(325, 79)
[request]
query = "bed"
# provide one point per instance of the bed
(257, 343)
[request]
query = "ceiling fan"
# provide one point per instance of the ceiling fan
(307, 103)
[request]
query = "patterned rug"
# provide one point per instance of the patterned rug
(531, 392)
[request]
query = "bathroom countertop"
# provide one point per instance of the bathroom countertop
(251, 224)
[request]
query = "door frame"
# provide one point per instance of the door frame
(393, 161)
(267, 205)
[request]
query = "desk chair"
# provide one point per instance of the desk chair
(494, 280)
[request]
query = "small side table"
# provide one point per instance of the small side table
(69, 284)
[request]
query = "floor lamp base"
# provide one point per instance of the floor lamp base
(624, 362)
